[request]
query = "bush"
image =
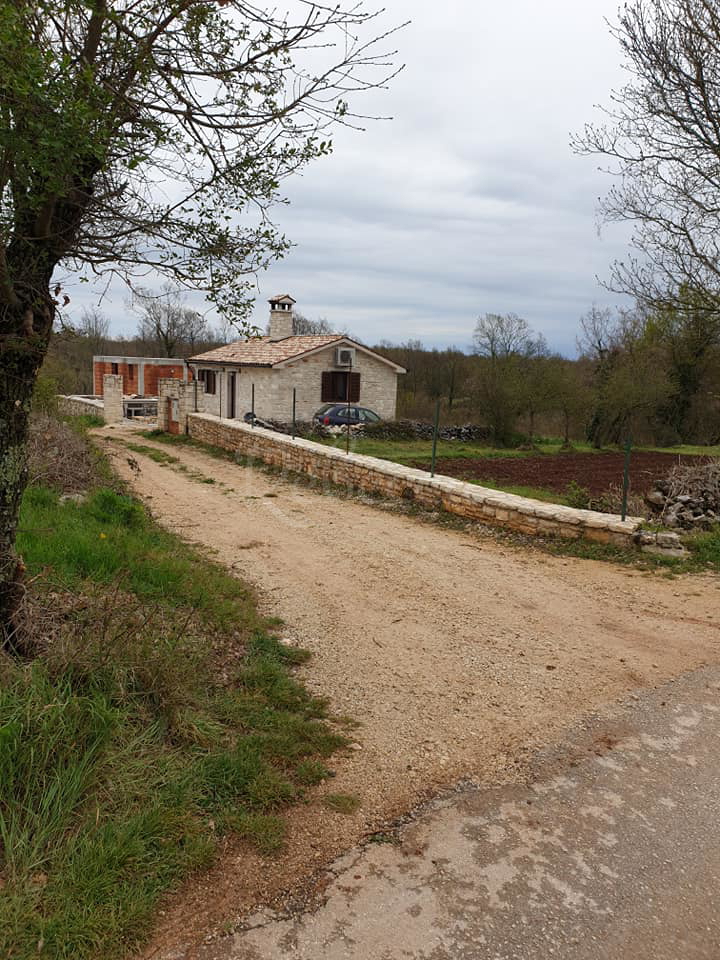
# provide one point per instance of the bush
(59, 457)
(45, 396)
(577, 496)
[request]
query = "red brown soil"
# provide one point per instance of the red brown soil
(597, 472)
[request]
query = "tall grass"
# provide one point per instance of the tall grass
(161, 714)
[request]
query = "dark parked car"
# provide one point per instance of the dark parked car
(339, 414)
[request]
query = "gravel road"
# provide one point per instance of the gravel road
(457, 655)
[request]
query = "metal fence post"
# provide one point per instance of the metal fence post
(252, 405)
(626, 478)
(435, 438)
(294, 408)
(347, 407)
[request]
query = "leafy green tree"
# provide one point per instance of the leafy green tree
(632, 382)
(150, 134)
(688, 329)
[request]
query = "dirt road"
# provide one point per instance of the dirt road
(457, 655)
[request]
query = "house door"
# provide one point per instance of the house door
(231, 395)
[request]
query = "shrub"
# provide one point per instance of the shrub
(45, 395)
(577, 496)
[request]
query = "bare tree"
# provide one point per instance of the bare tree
(151, 134)
(303, 326)
(662, 138)
(94, 326)
(504, 342)
(166, 321)
(501, 335)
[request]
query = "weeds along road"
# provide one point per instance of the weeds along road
(458, 656)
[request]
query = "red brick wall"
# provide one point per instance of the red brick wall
(130, 373)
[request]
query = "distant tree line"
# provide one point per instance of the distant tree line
(648, 374)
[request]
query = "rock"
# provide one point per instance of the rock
(644, 538)
(656, 498)
(670, 541)
(665, 551)
(73, 498)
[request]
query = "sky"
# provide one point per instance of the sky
(470, 199)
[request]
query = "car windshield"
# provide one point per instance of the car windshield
(324, 409)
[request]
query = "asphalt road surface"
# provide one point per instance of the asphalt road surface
(613, 852)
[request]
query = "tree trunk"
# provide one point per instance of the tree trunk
(20, 359)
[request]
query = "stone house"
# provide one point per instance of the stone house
(322, 369)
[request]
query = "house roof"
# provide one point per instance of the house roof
(265, 352)
(282, 297)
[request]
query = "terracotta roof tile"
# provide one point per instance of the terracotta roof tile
(264, 352)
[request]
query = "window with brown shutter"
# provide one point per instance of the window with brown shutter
(334, 387)
(208, 380)
(354, 387)
(326, 387)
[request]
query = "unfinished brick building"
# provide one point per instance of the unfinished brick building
(140, 375)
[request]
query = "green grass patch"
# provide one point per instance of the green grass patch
(84, 421)
(341, 802)
(111, 536)
(161, 714)
(159, 456)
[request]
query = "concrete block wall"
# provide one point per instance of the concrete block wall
(392, 480)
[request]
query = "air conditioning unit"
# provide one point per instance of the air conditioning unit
(345, 356)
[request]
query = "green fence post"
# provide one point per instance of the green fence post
(626, 478)
(435, 438)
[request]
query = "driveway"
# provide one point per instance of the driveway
(457, 655)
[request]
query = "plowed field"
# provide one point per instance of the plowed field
(595, 471)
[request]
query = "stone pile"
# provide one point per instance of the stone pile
(689, 497)
(420, 430)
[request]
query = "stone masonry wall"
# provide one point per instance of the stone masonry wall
(76, 406)
(170, 390)
(113, 398)
(392, 480)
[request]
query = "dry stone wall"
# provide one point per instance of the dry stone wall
(392, 480)
(77, 406)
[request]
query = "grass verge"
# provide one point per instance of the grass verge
(159, 715)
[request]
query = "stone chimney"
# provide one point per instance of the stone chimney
(281, 316)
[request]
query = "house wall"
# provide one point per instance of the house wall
(392, 480)
(274, 387)
(140, 375)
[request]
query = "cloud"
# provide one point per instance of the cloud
(469, 200)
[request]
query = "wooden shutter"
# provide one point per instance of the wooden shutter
(354, 387)
(326, 387)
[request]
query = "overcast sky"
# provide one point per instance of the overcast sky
(470, 199)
